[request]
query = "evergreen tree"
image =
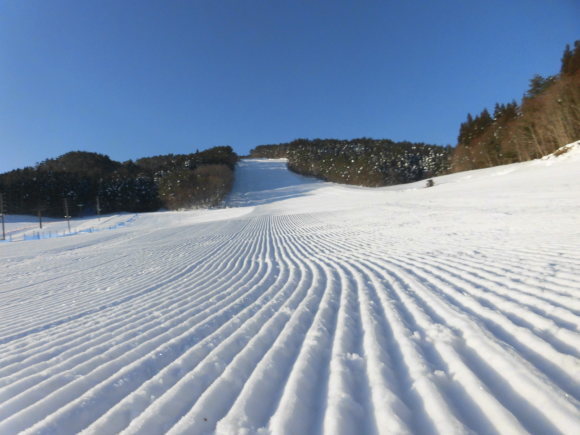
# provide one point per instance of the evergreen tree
(566, 61)
(139, 186)
(539, 84)
(548, 118)
(362, 161)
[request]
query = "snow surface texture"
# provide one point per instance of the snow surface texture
(308, 308)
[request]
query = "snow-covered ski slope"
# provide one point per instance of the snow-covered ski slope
(307, 308)
(18, 227)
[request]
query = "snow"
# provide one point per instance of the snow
(20, 227)
(304, 307)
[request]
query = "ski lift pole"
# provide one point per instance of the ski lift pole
(2, 216)
(98, 209)
(66, 213)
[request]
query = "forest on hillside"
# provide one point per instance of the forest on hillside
(92, 183)
(80, 183)
(363, 162)
(547, 118)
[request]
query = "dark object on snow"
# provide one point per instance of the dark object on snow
(429, 183)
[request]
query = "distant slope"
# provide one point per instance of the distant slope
(260, 181)
(315, 308)
(362, 162)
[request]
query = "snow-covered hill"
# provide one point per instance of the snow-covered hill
(307, 307)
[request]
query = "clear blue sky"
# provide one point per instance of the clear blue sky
(133, 78)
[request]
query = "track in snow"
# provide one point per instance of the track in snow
(314, 308)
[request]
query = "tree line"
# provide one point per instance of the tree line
(364, 161)
(547, 118)
(92, 182)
